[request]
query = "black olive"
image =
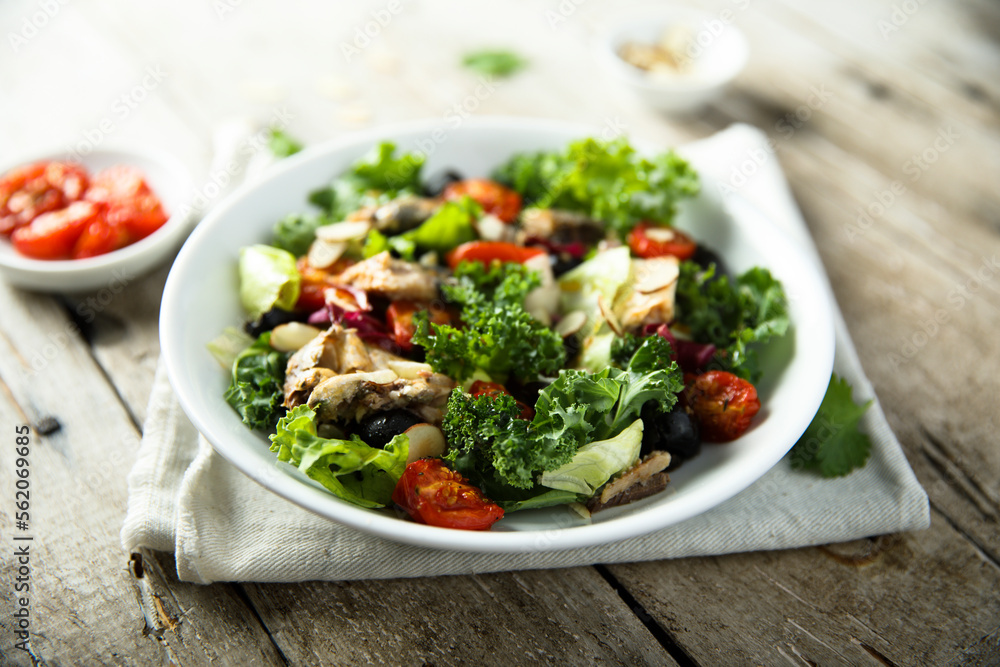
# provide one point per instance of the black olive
(382, 427)
(673, 432)
(271, 319)
(436, 184)
(526, 393)
(704, 257)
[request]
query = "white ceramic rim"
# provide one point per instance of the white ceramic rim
(822, 342)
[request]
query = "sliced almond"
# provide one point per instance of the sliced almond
(409, 370)
(572, 323)
(652, 275)
(426, 441)
(291, 336)
(323, 254)
(609, 316)
(344, 231)
(660, 234)
(383, 376)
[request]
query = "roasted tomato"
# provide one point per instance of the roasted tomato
(53, 235)
(483, 388)
(495, 199)
(488, 251)
(723, 404)
(437, 496)
(130, 202)
(399, 317)
(29, 191)
(315, 282)
(648, 240)
(99, 238)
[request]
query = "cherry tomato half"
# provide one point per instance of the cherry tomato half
(31, 190)
(723, 403)
(100, 237)
(483, 388)
(53, 235)
(131, 203)
(399, 317)
(434, 495)
(315, 282)
(488, 251)
(495, 199)
(648, 240)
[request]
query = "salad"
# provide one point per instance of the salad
(461, 348)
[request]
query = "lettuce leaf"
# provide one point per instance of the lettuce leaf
(450, 226)
(376, 179)
(268, 279)
(256, 388)
(597, 462)
(349, 469)
(732, 315)
(607, 180)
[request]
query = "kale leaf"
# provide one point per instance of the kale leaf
(255, 391)
(374, 180)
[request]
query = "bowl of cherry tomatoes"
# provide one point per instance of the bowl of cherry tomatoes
(76, 224)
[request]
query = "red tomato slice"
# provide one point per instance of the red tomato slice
(486, 252)
(31, 190)
(399, 317)
(53, 235)
(723, 403)
(434, 495)
(99, 238)
(131, 202)
(648, 240)
(495, 199)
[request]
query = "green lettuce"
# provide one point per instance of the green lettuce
(450, 226)
(256, 388)
(268, 279)
(732, 315)
(597, 462)
(606, 180)
(349, 469)
(296, 232)
(376, 179)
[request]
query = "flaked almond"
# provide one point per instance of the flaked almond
(660, 234)
(609, 316)
(323, 254)
(409, 370)
(383, 376)
(426, 441)
(572, 323)
(290, 336)
(652, 275)
(344, 231)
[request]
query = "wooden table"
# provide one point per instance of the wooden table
(897, 76)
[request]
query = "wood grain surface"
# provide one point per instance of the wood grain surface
(885, 116)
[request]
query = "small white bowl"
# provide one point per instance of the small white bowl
(171, 182)
(719, 52)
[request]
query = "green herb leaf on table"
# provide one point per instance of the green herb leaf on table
(350, 469)
(282, 144)
(494, 62)
(833, 445)
(606, 180)
(256, 387)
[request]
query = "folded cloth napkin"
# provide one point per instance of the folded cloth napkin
(221, 526)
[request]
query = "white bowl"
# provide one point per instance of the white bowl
(168, 179)
(719, 52)
(200, 300)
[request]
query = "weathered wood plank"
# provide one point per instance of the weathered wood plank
(561, 616)
(914, 599)
(85, 606)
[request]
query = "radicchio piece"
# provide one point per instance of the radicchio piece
(689, 355)
(576, 249)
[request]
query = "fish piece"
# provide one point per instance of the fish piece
(560, 227)
(333, 352)
(391, 278)
(654, 289)
(354, 396)
(641, 480)
(400, 215)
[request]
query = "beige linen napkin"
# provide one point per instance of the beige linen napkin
(221, 526)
